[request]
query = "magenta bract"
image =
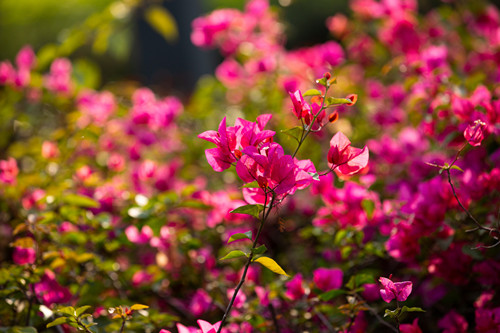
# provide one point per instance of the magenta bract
(395, 290)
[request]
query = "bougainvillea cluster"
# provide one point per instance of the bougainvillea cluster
(365, 196)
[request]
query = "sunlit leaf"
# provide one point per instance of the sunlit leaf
(271, 265)
(312, 92)
(337, 101)
(136, 307)
(80, 200)
(163, 22)
(456, 167)
(82, 309)
(58, 321)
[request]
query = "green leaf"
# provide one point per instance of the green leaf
(190, 203)
(413, 309)
(58, 321)
(336, 101)
(238, 236)
(67, 311)
(253, 210)
(82, 309)
(368, 206)
(80, 200)
(271, 265)
(391, 313)
(260, 250)
(312, 92)
(234, 254)
(456, 167)
(331, 294)
(294, 132)
(138, 307)
(163, 22)
(22, 329)
(323, 81)
(359, 280)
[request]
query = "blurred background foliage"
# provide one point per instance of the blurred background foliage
(145, 41)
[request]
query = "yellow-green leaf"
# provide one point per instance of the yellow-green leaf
(136, 307)
(163, 22)
(271, 265)
(58, 321)
(234, 254)
(80, 200)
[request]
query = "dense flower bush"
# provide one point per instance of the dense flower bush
(117, 213)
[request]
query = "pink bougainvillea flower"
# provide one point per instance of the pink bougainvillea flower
(328, 278)
(294, 288)
(206, 327)
(26, 58)
(200, 303)
(299, 105)
(399, 290)
(22, 256)
(59, 78)
(8, 171)
(50, 291)
(273, 170)
(49, 150)
(137, 237)
(230, 141)
(410, 328)
(453, 323)
(474, 133)
(7, 72)
(346, 159)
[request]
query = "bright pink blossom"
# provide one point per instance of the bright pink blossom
(328, 278)
(231, 140)
(142, 237)
(399, 290)
(294, 288)
(8, 171)
(345, 159)
(49, 150)
(206, 327)
(474, 133)
(273, 170)
(49, 291)
(26, 58)
(22, 256)
(7, 72)
(59, 78)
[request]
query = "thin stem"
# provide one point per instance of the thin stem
(273, 315)
(397, 317)
(265, 214)
(308, 130)
(86, 329)
(325, 322)
(123, 324)
(479, 225)
(30, 305)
